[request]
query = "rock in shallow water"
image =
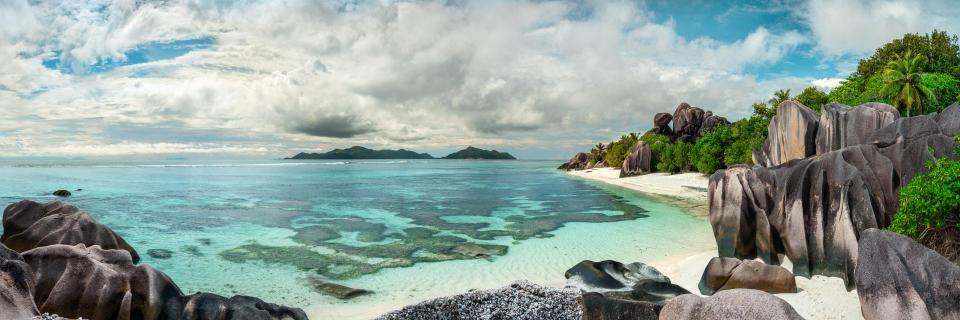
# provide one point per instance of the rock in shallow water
(522, 300)
(62, 193)
(898, 278)
(337, 290)
(28, 225)
(160, 253)
(729, 273)
(579, 161)
(746, 304)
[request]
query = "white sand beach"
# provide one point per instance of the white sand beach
(818, 298)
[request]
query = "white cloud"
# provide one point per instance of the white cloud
(827, 84)
(405, 74)
(861, 26)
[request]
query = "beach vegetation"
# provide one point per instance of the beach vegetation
(675, 157)
(931, 201)
(620, 149)
(945, 88)
(902, 77)
(813, 98)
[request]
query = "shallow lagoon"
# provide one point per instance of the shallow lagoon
(262, 228)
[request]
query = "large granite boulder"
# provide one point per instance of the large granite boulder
(898, 278)
(744, 304)
(792, 134)
(635, 281)
(724, 273)
(813, 210)
(520, 300)
(16, 286)
(841, 126)
(710, 122)
(579, 161)
(687, 120)
(661, 124)
(638, 161)
(599, 307)
(64, 276)
(28, 224)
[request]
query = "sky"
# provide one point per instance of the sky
(539, 79)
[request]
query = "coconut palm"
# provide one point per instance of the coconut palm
(779, 97)
(600, 151)
(902, 76)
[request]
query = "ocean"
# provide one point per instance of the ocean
(405, 229)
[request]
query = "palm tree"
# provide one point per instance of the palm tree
(601, 150)
(779, 97)
(902, 76)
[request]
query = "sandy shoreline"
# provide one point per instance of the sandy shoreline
(818, 298)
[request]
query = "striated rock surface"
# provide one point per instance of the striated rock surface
(579, 161)
(744, 304)
(28, 225)
(841, 126)
(520, 300)
(792, 134)
(16, 286)
(813, 210)
(635, 281)
(729, 273)
(687, 120)
(661, 124)
(638, 161)
(64, 274)
(898, 278)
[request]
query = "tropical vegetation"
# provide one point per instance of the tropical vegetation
(931, 200)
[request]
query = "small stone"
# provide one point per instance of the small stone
(337, 290)
(61, 193)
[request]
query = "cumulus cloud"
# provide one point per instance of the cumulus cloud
(860, 26)
(397, 74)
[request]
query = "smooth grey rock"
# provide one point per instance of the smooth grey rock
(746, 304)
(521, 300)
(28, 225)
(841, 126)
(16, 286)
(792, 134)
(724, 273)
(638, 161)
(898, 278)
(635, 281)
(579, 161)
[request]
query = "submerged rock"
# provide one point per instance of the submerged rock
(898, 278)
(28, 225)
(337, 290)
(521, 300)
(792, 134)
(160, 253)
(635, 281)
(744, 304)
(638, 161)
(471, 250)
(728, 273)
(62, 193)
(16, 286)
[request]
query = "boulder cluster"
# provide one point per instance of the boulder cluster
(820, 183)
(55, 259)
(688, 124)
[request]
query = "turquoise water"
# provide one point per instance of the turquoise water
(264, 228)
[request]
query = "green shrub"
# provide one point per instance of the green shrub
(707, 154)
(945, 88)
(930, 200)
(675, 158)
(813, 98)
(848, 92)
(618, 150)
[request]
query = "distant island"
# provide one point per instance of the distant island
(476, 153)
(358, 152)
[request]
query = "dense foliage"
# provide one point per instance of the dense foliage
(944, 86)
(903, 85)
(813, 98)
(938, 47)
(620, 149)
(930, 200)
(675, 157)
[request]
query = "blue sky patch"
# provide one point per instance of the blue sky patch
(146, 52)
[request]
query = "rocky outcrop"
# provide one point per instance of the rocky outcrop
(635, 281)
(62, 193)
(520, 300)
(599, 307)
(687, 120)
(898, 278)
(813, 210)
(744, 304)
(28, 225)
(792, 134)
(710, 122)
(729, 273)
(16, 286)
(638, 161)
(64, 274)
(661, 124)
(841, 126)
(579, 161)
